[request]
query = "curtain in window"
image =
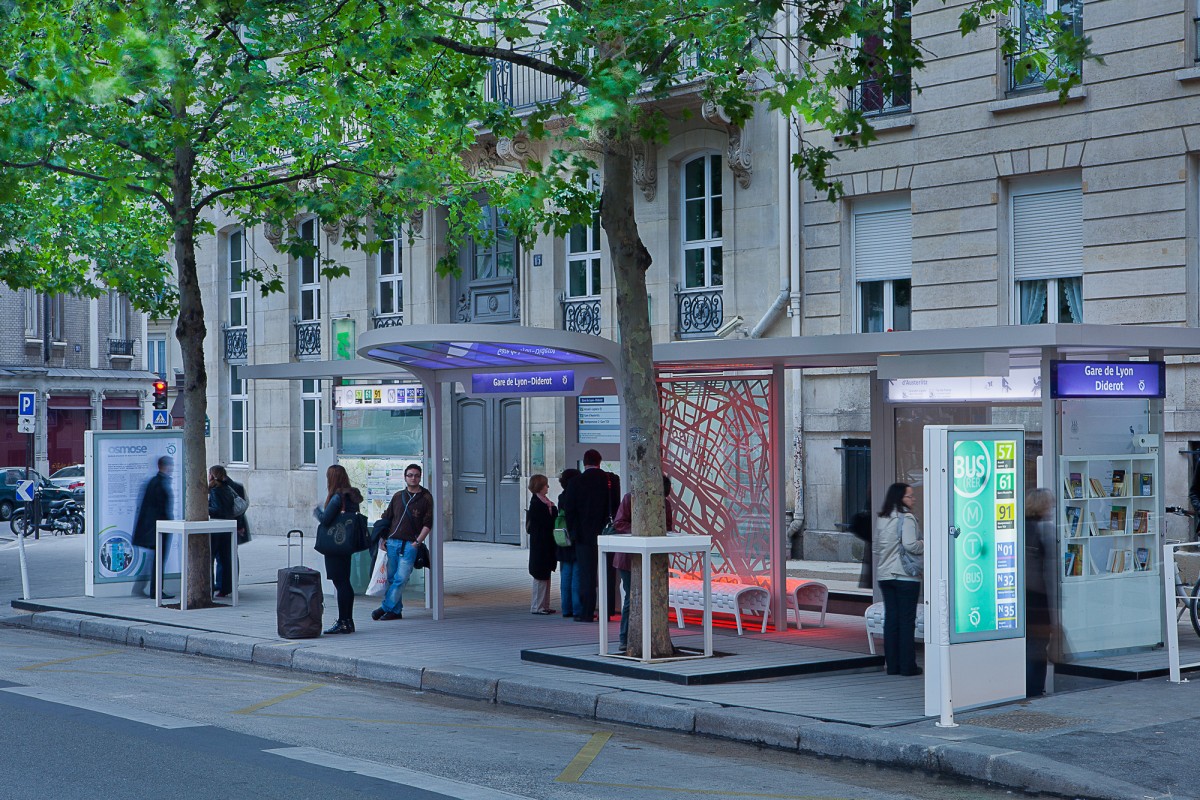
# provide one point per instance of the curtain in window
(1072, 289)
(1033, 302)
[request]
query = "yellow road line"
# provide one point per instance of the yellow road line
(583, 759)
(312, 687)
(151, 676)
(72, 658)
(714, 792)
(370, 721)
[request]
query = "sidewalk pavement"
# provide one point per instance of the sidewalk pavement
(1099, 740)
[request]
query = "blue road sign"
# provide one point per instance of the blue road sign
(25, 491)
(26, 404)
(161, 419)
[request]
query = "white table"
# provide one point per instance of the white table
(184, 529)
(646, 546)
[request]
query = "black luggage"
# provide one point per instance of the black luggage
(300, 601)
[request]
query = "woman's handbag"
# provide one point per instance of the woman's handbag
(562, 537)
(912, 565)
(343, 536)
(379, 581)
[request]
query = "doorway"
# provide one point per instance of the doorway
(487, 460)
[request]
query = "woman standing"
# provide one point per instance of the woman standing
(1040, 560)
(898, 529)
(341, 497)
(568, 588)
(539, 524)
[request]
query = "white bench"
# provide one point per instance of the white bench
(807, 594)
(727, 598)
(874, 620)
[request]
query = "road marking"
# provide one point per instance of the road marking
(399, 775)
(312, 687)
(420, 723)
(100, 707)
(240, 681)
(713, 792)
(583, 759)
(68, 660)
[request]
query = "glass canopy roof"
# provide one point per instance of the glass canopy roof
(474, 355)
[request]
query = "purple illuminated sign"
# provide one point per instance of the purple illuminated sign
(559, 381)
(1078, 379)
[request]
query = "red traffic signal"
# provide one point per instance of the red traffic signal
(160, 394)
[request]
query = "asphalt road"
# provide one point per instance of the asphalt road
(84, 719)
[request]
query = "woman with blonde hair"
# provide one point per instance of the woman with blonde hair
(341, 497)
(539, 524)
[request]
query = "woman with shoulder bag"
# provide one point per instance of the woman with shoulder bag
(539, 524)
(342, 497)
(226, 500)
(899, 555)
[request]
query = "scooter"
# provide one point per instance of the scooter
(58, 516)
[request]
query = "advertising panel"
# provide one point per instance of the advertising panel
(120, 463)
(379, 395)
(987, 554)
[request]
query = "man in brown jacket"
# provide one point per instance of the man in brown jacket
(408, 521)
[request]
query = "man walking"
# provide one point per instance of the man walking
(591, 500)
(156, 504)
(407, 522)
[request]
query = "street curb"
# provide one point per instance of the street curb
(549, 695)
(881, 746)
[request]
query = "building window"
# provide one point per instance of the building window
(58, 318)
(583, 252)
(31, 300)
(156, 356)
(118, 316)
(1047, 252)
(884, 89)
(238, 295)
(881, 254)
(310, 403)
(390, 276)
(1033, 63)
(310, 274)
(239, 407)
(702, 217)
(495, 248)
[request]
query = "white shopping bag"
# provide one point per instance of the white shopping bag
(379, 581)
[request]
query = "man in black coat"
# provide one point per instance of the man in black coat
(156, 504)
(590, 501)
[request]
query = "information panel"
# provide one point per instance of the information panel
(558, 381)
(986, 558)
(1079, 379)
(599, 419)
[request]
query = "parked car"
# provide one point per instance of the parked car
(11, 476)
(71, 478)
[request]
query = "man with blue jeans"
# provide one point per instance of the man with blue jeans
(408, 521)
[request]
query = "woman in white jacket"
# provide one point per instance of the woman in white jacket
(897, 528)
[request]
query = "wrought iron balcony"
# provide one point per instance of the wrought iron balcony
(308, 340)
(521, 88)
(120, 347)
(581, 314)
(700, 312)
(387, 320)
(236, 344)
(874, 99)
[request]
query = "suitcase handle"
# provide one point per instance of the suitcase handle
(299, 533)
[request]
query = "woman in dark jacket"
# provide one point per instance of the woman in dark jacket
(341, 497)
(539, 524)
(222, 494)
(568, 589)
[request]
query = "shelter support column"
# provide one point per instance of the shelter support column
(779, 554)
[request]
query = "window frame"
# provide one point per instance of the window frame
(1052, 290)
(118, 316)
(393, 280)
(713, 240)
(1028, 42)
(888, 277)
(309, 267)
(1041, 185)
(238, 398)
(156, 355)
(237, 291)
(889, 305)
(310, 436)
(887, 103)
(588, 257)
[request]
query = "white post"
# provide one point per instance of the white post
(1168, 557)
(946, 701)
(24, 567)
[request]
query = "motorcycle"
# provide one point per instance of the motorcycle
(58, 516)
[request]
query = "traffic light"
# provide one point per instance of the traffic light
(160, 394)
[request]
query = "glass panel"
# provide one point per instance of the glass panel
(714, 257)
(577, 278)
(374, 432)
(715, 177)
(308, 305)
(902, 305)
(595, 243)
(693, 179)
(387, 255)
(595, 288)
(237, 450)
(871, 301)
(1033, 302)
(693, 268)
(716, 218)
(308, 387)
(577, 239)
(310, 415)
(483, 264)
(236, 384)
(238, 409)
(505, 263)
(1070, 300)
(387, 303)
(693, 212)
(310, 448)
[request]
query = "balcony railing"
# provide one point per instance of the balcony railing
(700, 312)
(872, 98)
(1034, 78)
(581, 314)
(236, 344)
(308, 340)
(520, 87)
(120, 347)
(387, 320)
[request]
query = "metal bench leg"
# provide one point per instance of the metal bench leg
(870, 641)
(794, 602)
(679, 615)
(737, 615)
(766, 616)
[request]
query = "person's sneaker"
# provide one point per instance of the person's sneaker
(377, 614)
(389, 615)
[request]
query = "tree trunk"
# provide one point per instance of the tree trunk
(190, 331)
(639, 391)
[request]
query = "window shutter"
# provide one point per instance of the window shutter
(883, 245)
(1047, 235)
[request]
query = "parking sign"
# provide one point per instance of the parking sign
(26, 404)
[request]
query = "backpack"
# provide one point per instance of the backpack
(562, 537)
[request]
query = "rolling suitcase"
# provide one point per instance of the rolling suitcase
(299, 599)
